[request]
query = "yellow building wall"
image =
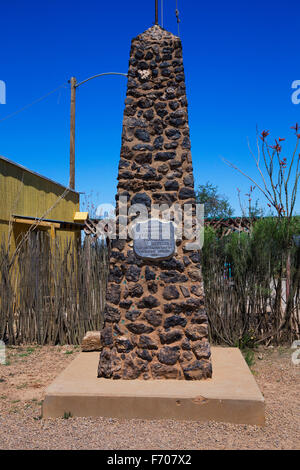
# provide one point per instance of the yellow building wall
(24, 193)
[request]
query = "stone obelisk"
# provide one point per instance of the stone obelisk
(155, 320)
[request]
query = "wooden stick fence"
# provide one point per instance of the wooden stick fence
(52, 294)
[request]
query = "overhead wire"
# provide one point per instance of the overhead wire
(64, 85)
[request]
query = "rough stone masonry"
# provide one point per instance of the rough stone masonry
(155, 320)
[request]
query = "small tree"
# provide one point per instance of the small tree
(278, 182)
(279, 178)
(252, 209)
(215, 204)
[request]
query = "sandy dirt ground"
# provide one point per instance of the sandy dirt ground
(30, 369)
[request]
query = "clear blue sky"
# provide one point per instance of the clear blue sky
(240, 60)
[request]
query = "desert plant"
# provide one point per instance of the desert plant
(247, 301)
(249, 357)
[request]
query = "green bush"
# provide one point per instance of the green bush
(244, 275)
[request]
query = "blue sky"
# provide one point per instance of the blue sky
(240, 61)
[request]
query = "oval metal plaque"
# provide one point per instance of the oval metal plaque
(154, 239)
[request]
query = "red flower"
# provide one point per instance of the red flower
(276, 147)
(264, 134)
(296, 127)
(281, 140)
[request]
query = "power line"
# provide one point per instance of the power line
(33, 102)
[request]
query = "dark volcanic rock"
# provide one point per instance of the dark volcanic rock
(173, 134)
(113, 293)
(149, 275)
(195, 332)
(149, 114)
(197, 370)
(112, 314)
(119, 244)
(106, 336)
(188, 180)
(125, 304)
(163, 168)
(152, 287)
(141, 198)
(171, 145)
(186, 143)
(195, 257)
(109, 364)
(165, 72)
(173, 277)
(154, 317)
(133, 273)
(142, 65)
(115, 275)
(174, 105)
(199, 317)
(186, 345)
(164, 198)
(201, 349)
(164, 156)
(158, 143)
(144, 354)
(148, 55)
(175, 320)
(185, 292)
(142, 147)
(139, 328)
(145, 103)
(170, 292)
(139, 55)
(124, 163)
(162, 112)
(143, 158)
(123, 344)
(186, 193)
(136, 290)
(161, 371)
(143, 135)
(117, 255)
(131, 258)
(169, 355)
(172, 185)
(173, 264)
(146, 342)
(196, 290)
(170, 336)
(148, 302)
(132, 315)
(133, 368)
(187, 356)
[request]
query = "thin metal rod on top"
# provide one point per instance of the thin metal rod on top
(156, 11)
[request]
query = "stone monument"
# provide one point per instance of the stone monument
(155, 320)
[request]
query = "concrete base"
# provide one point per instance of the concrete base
(232, 395)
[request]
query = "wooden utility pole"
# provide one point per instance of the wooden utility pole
(156, 11)
(75, 85)
(72, 134)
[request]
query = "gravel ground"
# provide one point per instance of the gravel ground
(31, 368)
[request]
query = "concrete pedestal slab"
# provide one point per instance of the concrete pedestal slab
(231, 395)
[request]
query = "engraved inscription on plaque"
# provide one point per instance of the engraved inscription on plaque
(154, 239)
